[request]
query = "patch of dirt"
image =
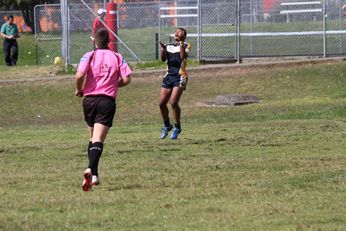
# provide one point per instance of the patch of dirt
(46, 73)
(29, 72)
(231, 100)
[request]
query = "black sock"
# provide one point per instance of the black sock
(94, 156)
(167, 123)
(177, 126)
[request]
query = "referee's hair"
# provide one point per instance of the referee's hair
(102, 38)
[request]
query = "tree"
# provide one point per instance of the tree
(26, 7)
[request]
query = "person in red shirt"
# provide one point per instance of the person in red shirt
(97, 24)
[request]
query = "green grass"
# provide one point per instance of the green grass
(276, 165)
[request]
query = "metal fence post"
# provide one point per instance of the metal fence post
(199, 29)
(65, 30)
(156, 46)
(251, 24)
(238, 31)
(35, 31)
(324, 29)
(340, 27)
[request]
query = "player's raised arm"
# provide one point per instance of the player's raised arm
(163, 52)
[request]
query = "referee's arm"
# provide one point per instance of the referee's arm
(123, 81)
(79, 80)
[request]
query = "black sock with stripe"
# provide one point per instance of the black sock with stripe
(95, 153)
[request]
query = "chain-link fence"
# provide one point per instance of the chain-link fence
(292, 28)
(219, 21)
(48, 34)
(217, 29)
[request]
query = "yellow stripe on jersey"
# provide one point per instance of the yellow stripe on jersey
(182, 71)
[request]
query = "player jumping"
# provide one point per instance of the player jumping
(174, 82)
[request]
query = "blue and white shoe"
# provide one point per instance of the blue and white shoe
(165, 131)
(175, 134)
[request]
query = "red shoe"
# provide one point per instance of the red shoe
(86, 186)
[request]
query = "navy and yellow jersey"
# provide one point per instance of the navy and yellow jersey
(175, 64)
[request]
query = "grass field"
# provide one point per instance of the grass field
(276, 165)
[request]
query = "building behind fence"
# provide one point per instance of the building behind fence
(217, 29)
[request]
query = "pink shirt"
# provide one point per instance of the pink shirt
(102, 72)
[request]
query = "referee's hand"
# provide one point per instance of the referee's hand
(78, 93)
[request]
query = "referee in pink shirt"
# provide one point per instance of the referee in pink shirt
(99, 75)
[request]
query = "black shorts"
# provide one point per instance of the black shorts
(99, 109)
(170, 81)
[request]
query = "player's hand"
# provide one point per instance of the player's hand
(183, 81)
(78, 93)
(163, 46)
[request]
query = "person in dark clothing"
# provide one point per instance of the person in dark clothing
(9, 31)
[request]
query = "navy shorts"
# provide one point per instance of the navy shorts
(99, 109)
(170, 81)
